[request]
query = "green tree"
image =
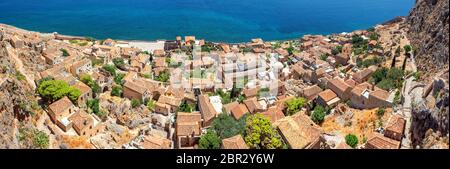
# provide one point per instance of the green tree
(386, 84)
(163, 76)
(318, 114)
(119, 62)
(351, 140)
(185, 107)
(53, 90)
(110, 68)
(396, 75)
(379, 75)
(294, 105)
(94, 106)
(135, 103)
(118, 78)
(87, 79)
(210, 140)
(260, 134)
(116, 91)
(226, 126)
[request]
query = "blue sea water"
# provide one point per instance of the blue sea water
(214, 20)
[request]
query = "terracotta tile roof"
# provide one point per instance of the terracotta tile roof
(251, 92)
(82, 87)
(282, 52)
(396, 124)
(362, 74)
(60, 105)
(339, 84)
(151, 85)
(327, 95)
(378, 141)
(252, 104)
(230, 106)
(206, 108)
(298, 68)
(189, 117)
(135, 87)
(81, 63)
(235, 142)
(130, 76)
(380, 94)
(297, 131)
(155, 142)
(359, 89)
(351, 83)
(169, 100)
(311, 91)
(239, 111)
(81, 119)
(273, 114)
(188, 123)
(188, 129)
(175, 92)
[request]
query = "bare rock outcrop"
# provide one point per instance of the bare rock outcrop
(428, 32)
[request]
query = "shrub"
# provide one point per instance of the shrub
(94, 106)
(323, 57)
(118, 79)
(41, 140)
(151, 105)
(110, 68)
(119, 62)
(135, 103)
(87, 79)
(20, 76)
(318, 114)
(185, 107)
(210, 140)
(65, 53)
(163, 76)
(351, 140)
(373, 36)
(381, 111)
(116, 91)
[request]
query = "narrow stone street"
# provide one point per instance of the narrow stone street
(411, 90)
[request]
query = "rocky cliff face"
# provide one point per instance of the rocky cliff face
(428, 33)
(428, 24)
(15, 101)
